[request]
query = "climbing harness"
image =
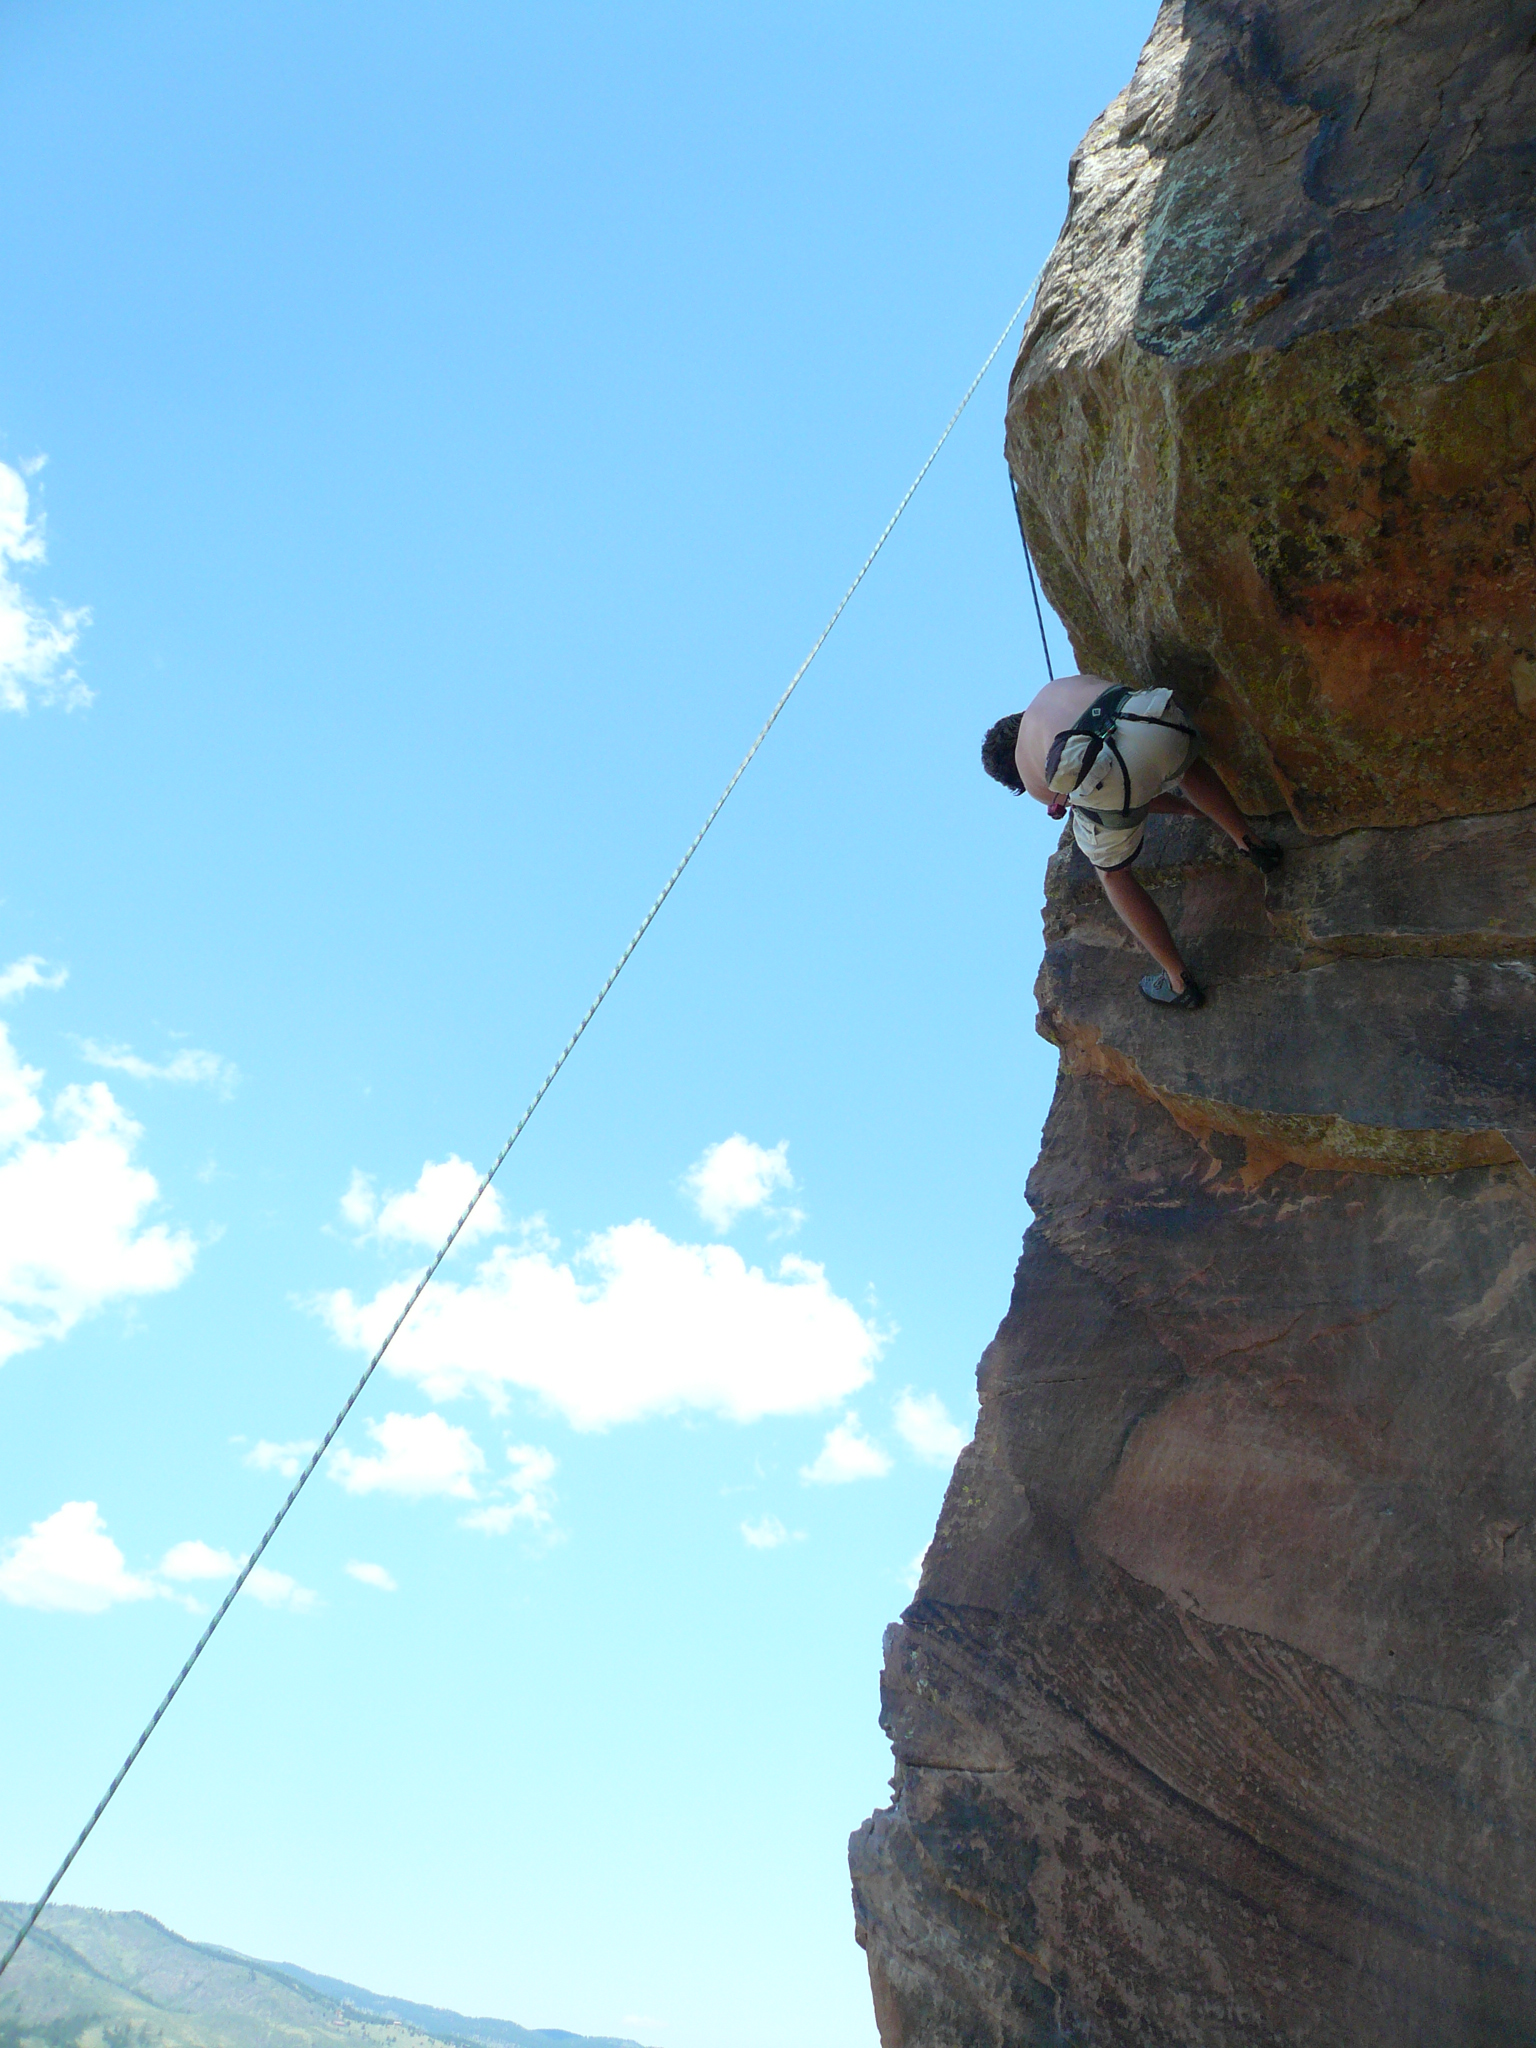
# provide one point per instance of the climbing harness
(543, 1089)
(1075, 753)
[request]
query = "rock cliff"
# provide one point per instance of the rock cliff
(1215, 1713)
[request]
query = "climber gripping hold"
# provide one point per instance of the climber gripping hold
(1110, 755)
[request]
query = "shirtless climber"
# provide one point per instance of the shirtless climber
(1110, 755)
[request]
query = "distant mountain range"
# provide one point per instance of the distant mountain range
(84, 1979)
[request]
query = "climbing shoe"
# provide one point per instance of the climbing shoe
(1264, 854)
(1157, 988)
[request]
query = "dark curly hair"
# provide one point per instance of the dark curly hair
(997, 752)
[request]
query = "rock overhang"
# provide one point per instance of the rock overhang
(1272, 423)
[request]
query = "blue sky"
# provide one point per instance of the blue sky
(440, 432)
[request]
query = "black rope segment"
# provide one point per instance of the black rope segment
(1039, 615)
(543, 1089)
(1018, 513)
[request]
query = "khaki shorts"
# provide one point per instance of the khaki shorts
(1157, 759)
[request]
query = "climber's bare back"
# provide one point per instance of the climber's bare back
(1059, 705)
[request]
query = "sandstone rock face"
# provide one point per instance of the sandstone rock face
(1215, 1713)
(1214, 1716)
(1272, 424)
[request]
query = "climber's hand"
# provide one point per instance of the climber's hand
(1056, 808)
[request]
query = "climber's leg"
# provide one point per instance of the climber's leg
(1207, 792)
(1141, 916)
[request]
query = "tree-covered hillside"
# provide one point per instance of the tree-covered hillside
(87, 1979)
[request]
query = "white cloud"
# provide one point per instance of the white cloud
(68, 1562)
(207, 1069)
(21, 1103)
(634, 1325)
(198, 1560)
(284, 1459)
(768, 1533)
(914, 1570)
(73, 1234)
(371, 1575)
(424, 1214)
(735, 1176)
(418, 1455)
(33, 972)
(359, 1204)
(35, 642)
(847, 1454)
(504, 1515)
(924, 1424)
(276, 1589)
(532, 1469)
(496, 1520)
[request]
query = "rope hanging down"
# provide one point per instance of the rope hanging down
(1039, 615)
(543, 1089)
(1029, 568)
